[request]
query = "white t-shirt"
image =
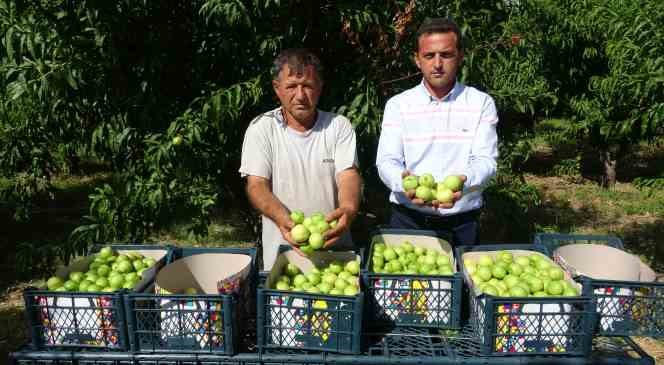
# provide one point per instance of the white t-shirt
(302, 167)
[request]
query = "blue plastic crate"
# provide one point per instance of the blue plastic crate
(94, 320)
(551, 241)
(403, 300)
(509, 326)
(180, 323)
(304, 321)
(624, 308)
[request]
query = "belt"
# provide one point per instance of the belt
(438, 221)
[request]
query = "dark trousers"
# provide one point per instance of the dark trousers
(462, 228)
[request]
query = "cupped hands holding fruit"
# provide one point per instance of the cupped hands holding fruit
(317, 231)
(424, 190)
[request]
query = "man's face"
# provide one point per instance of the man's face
(298, 91)
(439, 58)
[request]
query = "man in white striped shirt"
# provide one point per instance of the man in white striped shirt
(440, 127)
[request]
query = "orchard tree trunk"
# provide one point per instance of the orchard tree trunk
(609, 156)
(609, 165)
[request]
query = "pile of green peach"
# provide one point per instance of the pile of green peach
(524, 276)
(427, 189)
(409, 259)
(308, 231)
(108, 272)
(335, 279)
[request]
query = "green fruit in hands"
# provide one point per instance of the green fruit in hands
(323, 226)
(426, 180)
(424, 193)
(316, 241)
(317, 217)
(333, 224)
(409, 182)
(300, 233)
(453, 182)
(297, 216)
(445, 196)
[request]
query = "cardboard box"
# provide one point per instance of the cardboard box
(522, 318)
(411, 300)
(195, 321)
(89, 319)
(296, 320)
(615, 303)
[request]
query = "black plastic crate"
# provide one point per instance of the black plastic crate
(627, 308)
(180, 323)
(309, 322)
(551, 241)
(94, 320)
(509, 326)
(624, 308)
(403, 300)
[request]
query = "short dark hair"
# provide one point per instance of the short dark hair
(296, 59)
(439, 25)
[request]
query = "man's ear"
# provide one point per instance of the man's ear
(417, 61)
(275, 85)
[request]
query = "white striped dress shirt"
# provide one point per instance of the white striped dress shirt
(455, 135)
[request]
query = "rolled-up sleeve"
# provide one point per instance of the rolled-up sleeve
(483, 157)
(346, 149)
(256, 157)
(390, 159)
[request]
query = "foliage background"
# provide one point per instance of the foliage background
(106, 86)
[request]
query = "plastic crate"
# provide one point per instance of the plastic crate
(551, 241)
(624, 308)
(509, 326)
(94, 320)
(403, 300)
(309, 322)
(181, 323)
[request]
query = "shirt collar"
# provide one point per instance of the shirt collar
(449, 97)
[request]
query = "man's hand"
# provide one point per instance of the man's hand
(344, 217)
(285, 225)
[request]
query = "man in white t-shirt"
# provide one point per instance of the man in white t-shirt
(297, 157)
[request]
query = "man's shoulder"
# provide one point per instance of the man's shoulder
(473, 94)
(266, 119)
(405, 96)
(333, 119)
